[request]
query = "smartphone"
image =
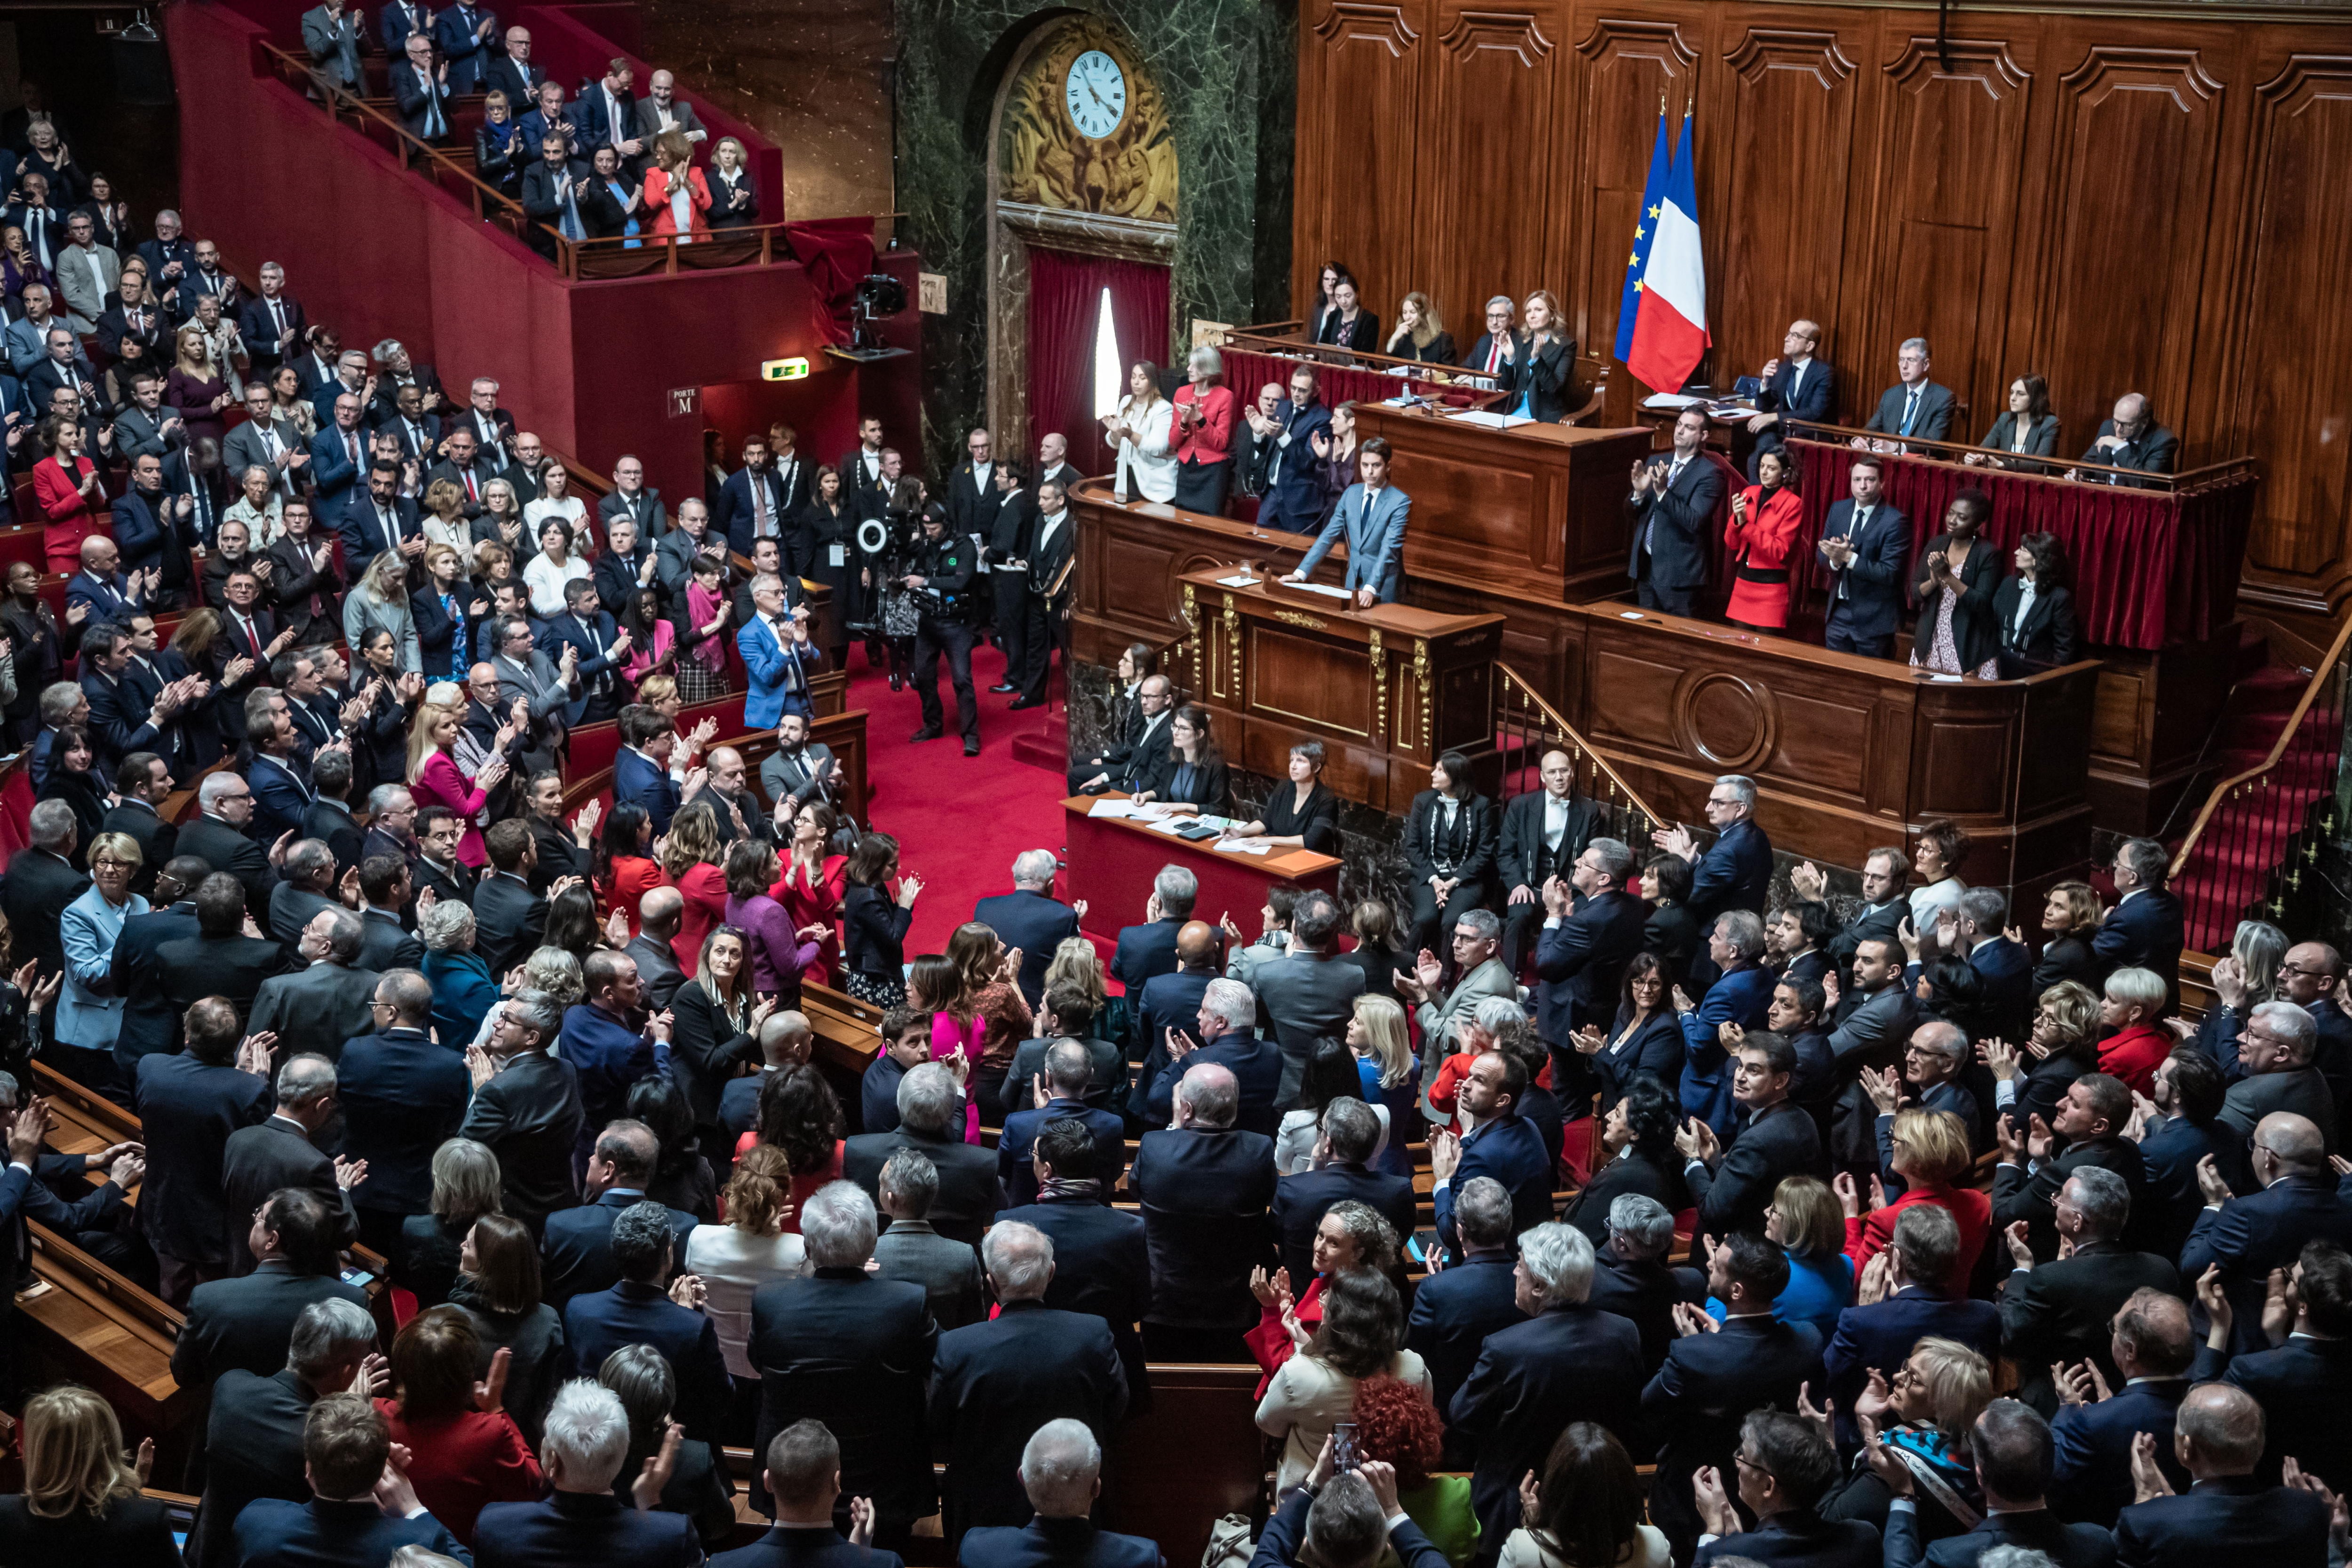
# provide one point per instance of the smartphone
(1343, 1445)
(360, 1277)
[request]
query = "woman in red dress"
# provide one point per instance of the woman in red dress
(691, 855)
(621, 872)
(466, 1450)
(812, 886)
(66, 486)
(1762, 533)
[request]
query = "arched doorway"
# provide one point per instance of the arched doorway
(1081, 229)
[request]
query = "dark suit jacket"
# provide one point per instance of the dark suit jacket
(1542, 375)
(2066, 1545)
(1693, 1404)
(1511, 1151)
(1874, 589)
(1102, 1265)
(1453, 1311)
(2041, 441)
(576, 1248)
(1581, 963)
(1053, 1543)
(1645, 1294)
(597, 1323)
(403, 1096)
(2048, 636)
(1932, 422)
(1675, 522)
(996, 1382)
(1735, 873)
(1815, 402)
(581, 1530)
(1521, 858)
(1797, 1539)
(1204, 1195)
(35, 895)
(1733, 1196)
(186, 1112)
(2143, 933)
(508, 920)
(529, 1115)
(273, 1530)
(2091, 1445)
(253, 1449)
(1881, 1335)
(1256, 1064)
(1014, 1168)
(148, 1023)
(1301, 1201)
(854, 1352)
(968, 1195)
(2060, 1311)
(259, 1160)
(2156, 450)
(1530, 1381)
(1975, 636)
(1035, 923)
(2016, 1196)
(1286, 1531)
(322, 1007)
(2250, 1235)
(1465, 853)
(247, 1322)
(2233, 1522)
(193, 967)
(2303, 1386)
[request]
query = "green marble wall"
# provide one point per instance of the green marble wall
(1228, 70)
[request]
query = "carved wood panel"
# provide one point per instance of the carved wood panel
(1493, 90)
(1628, 70)
(1359, 70)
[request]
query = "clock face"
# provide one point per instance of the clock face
(1096, 94)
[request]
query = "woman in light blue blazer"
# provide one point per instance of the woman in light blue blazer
(90, 1015)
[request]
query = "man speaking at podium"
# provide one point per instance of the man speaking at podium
(1372, 514)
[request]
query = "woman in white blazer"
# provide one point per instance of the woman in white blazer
(1143, 430)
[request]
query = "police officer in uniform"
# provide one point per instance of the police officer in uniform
(945, 568)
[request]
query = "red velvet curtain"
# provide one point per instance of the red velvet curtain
(1064, 300)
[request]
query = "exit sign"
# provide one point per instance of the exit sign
(784, 370)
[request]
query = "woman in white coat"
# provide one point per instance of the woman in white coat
(1143, 430)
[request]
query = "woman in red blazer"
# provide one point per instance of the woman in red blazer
(1204, 434)
(674, 186)
(1762, 533)
(70, 494)
(464, 1450)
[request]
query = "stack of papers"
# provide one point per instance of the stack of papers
(1115, 808)
(1171, 824)
(1489, 420)
(1244, 846)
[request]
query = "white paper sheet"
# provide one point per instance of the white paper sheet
(1326, 589)
(1115, 808)
(1489, 420)
(1237, 581)
(1243, 847)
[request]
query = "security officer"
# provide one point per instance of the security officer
(945, 567)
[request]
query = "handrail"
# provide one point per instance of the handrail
(2053, 468)
(1515, 694)
(2313, 691)
(1451, 377)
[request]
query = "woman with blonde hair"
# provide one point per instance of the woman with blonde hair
(1929, 1149)
(434, 776)
(1541, 368)
(1419, 334)
(1204, 433)
(1390, 1073)
(675, 191)
(82, 1499)
(444, 519)
(734, 199)
(1143, 430)
(754, 1249)
(2071, 915)
(1925, 1415)
(380, 599)
(195, 386)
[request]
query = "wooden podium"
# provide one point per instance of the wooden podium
(1386, 689)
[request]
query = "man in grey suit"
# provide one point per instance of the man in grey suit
(86, 272)
(318, 1009)
(2275, 1047)
(145, 429)
(1371, 515)
(947, 1270)
(2131, 439)
(660, 915)
(1914, 406)
(799, 769)
(1877, 1018)
(1444, 1014)
(266, 440)
(1308, 993)
(331, 33)
(545, 686)
(662, 110)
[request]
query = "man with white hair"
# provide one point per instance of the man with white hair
(930, 1122)
(853, 1350)
(1002, 1378)
(584, 1524)
(1204, 1186)
(1061, 1474)
(1227, 1024)
(1031, 919)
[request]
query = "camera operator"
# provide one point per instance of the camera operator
(941, 584)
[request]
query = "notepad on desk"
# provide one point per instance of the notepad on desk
(1115, 808)
(1243, 847)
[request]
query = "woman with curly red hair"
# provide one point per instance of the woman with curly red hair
(1397, 1425)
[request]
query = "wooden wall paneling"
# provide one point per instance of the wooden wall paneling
(2293, 374)
(1947, 258)
(1360, 100)
(1493, 88)
(1623, 68)
(2132, 149)
(1777, 173)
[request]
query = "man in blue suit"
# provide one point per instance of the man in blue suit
(398, 20)
(1736, 872)
(636, 1310)
(2005, 967)
(1031, 919)
(1864, 544)
(1671, 510)
(2227, 1516)
(1344, 1173)
(1504, 1145)
(1204, 1185)
(403, 1096)
(1732, 1187)
(1102, 1262)
(348, 1522)
(1168, 1000)
(585, 1524)
(1571, 1361)
(1371, 516)
(1227, 1038)
(338, 457)
(1582, 954)
(2249, 1236)
(2304, 1383)
(553, 118)
(1149, 950)
(604, 1038)
(1798, 390)
(1914, 406)
(778, 656)
(1741, 995)
(576, 1250)
(2091, 1435)
(1457, 1308)
(377, 518)
(1069, 1069)
(2011, 1446)
(1923, 1264)
(2144, 930)
(142, 521)
(1294, 499)
(802, 1475)
(1061, 1473)
(463, 34)
(599, 648)
(640, 767)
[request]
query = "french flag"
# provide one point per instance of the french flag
(1670, 335)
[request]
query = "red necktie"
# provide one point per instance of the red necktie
(472, 493)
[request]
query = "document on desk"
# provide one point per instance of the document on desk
(1664, 400)
(1243, 847)
(1239, 580)
(1326, 589)
(1488, 420)
(1172, 824)
(1115, 808)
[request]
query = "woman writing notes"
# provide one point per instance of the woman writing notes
(1300, 813)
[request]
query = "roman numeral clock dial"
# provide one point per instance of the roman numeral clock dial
(1094, 95)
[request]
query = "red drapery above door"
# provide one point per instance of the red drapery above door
(1066, 294)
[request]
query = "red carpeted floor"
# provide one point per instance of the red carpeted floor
(959, 820)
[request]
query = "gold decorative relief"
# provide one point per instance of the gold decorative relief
(1379, 687)
(1421, 684)
(1292, 618)
(1113, 155)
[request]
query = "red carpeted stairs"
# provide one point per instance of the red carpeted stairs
(2246, 838)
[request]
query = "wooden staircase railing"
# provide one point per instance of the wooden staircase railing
(1526, 727)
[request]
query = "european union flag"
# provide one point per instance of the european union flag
(1646, 229)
